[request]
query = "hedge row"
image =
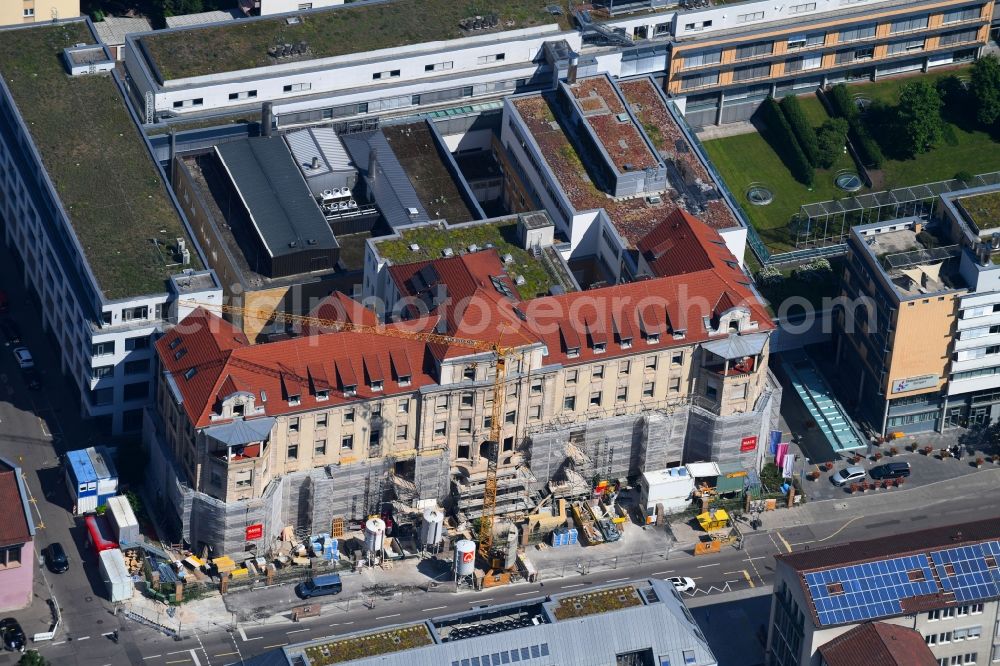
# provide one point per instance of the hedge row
(803, 130)
(843, 106)
(786, 144)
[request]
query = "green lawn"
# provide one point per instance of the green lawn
(747, 158)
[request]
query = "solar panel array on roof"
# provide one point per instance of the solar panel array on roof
(514, 656)
(972, 577)
(865, 591)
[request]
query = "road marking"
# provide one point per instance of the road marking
(726, 573)
(746, 574)
(386, 617)
(573, 585)
(428, 610)
(152, 656)
(696, 577)
(107, 633)
(841, 529)
(277, 645)
(61, 642)
(522, 594)
(177, 652)
(179, 661)
(351, 622)
(486, 599)
(226, 654)
(194, 655)
(705, 566)
(296, 631)
(83, 638)
(785, 543)
(243, 635)
(663, 573)
(616, 580)
(759, 557)
(45, 431)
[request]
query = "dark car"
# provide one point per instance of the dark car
(32, 379)
(55, 558)
(893, 470)
(11, 331)
(13, 635)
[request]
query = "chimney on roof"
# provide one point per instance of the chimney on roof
(574, 64)
(315, 163)
(372, 164)
(266, 118)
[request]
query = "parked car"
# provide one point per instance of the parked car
(682, 584)
(13, 635)
(11, 331)
(23, 356)
(55, 558)
(32, 379)
(892, 470)
(609, 530)
(319, 586)
(848, 475)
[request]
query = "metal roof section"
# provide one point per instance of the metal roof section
(318, 151)
(388, 183)
(241, 432)
(202, 18)
(658, 626)
(112, 29)
(280, 204)
(817, 396)
(738, 346)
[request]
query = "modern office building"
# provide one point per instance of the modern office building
(718, 61)
(108, 259)
(921, 354)
(642, 623)
(30, 11)
(943, 583)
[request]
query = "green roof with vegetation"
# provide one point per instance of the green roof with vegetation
(368, 645)
(433, 239)
(93, 152)
(353, 28)
(601, 601)
(983, 209)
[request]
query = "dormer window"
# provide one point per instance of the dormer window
(263, 395)
(238, 409)
(377, 385)
(469, 373)
(734, 326)
(322, 394)
(600, 347)
(680, 335)
(626, 343)
(350, 389)
(405, 380)
(179, 354)
(652, 338)
(573, 352)
(190, 372)
(294, 400)
(173, 343)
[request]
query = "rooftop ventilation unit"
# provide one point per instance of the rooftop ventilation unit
(413, 212)
(473, 248)
(622, 117)
(508, 258)
(519, 280)
(414, 247)
(448, 252)
(293, 20)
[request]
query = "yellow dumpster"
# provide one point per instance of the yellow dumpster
(713, 519)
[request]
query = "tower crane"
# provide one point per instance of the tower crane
(501, 353)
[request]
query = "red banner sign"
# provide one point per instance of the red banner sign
(255, 532)
(748, 444)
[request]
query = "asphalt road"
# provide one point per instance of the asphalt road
(730, 571)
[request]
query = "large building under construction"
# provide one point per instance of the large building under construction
(329, 427)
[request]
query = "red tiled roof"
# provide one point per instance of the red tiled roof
(14, 529)
(339, 307)
(681, 244)
(878, 643)
(215, 362)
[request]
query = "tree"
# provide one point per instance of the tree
(919, 117)
(985, 87)
(32, 658)
(831, 138)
